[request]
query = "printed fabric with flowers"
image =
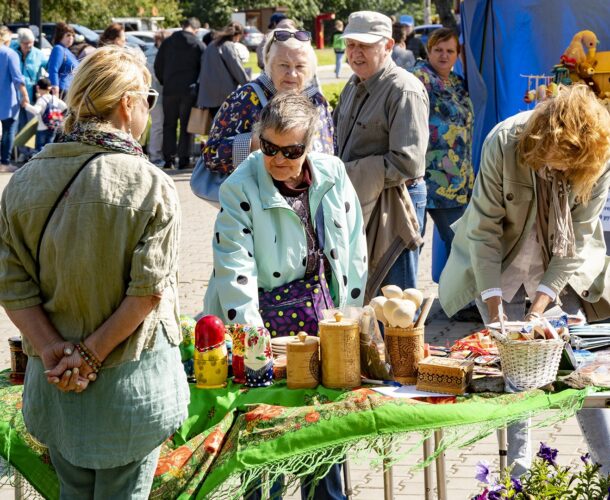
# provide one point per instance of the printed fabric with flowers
(449, 172)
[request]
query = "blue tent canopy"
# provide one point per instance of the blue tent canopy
(508, 38)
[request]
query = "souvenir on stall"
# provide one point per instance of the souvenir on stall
(397, 310)
(258, 360)
(303, 362)
(444, 375)
(340, 352)
(530, 352)
(211, 358)
(187, 346)
(238, 335)
(582, 62)
(19, 360)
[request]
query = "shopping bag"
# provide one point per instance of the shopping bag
(205, 183)
(200, 121)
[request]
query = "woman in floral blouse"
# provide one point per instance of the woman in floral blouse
(290, 65)
(449, 174)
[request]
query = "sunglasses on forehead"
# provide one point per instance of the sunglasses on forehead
(289, 152)
(283, 35)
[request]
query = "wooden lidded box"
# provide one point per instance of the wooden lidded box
(444, 375)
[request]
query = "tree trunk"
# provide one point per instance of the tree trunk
(445, 12)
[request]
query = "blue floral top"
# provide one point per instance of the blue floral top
(449, 173)
(229, 141)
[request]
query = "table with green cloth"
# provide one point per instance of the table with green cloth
(235, 436)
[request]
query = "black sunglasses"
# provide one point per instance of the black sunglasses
(289, 152)
(283, 35)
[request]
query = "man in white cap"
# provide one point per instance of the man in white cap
(382, 136)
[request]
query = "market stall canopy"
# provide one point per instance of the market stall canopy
(506, 39)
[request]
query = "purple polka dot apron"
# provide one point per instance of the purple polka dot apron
(297, 306)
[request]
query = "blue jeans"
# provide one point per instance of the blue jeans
(44, 137)
(328, 488)
(338, 61)
(24, 118)
(443, 218)
(9, 129)
(404, 271)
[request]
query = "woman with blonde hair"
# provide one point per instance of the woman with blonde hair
(88, 260)
(532, 229)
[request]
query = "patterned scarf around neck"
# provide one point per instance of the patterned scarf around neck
(553, 190)
(96, 133)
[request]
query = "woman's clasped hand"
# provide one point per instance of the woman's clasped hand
(66, 368)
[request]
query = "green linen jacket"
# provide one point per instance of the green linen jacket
(115, 233)
(498, 220)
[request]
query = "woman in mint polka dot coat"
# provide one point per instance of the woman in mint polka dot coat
(264, 235)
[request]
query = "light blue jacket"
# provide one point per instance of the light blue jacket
(259, 238)
(31, 67)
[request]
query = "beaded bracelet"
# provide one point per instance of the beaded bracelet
(89, 357)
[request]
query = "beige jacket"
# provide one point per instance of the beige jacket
(498, 220)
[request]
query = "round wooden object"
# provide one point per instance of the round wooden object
(340, 353)
(406, 350)
(303, 362)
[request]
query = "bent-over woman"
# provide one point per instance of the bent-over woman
(532, 229)
(272, 210)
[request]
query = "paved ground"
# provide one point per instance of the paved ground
(195, 268)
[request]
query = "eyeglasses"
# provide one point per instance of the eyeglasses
(289, 152)
(152, 96)
(283, 35)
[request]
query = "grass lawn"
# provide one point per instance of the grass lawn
(325, 57)
(331, 91)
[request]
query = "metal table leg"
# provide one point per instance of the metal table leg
(347, 479)
(503, 448)
(19, 486)
(388, 479)
(428, 480)
(441, 478)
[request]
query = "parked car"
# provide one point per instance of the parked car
(252, 37)
(89, 36)
(134, 41)
(145, 36)
(424, 30)
(201, 32)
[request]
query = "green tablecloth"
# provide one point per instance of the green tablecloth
(226, 444)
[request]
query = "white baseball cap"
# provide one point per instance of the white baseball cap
(367, 26)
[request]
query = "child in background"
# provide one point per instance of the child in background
(49, 109)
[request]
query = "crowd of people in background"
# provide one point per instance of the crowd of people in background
(180, 64)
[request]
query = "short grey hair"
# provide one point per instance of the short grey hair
(291, 43)
(25, 35)
(289, 111)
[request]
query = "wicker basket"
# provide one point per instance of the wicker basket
(529, 364)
